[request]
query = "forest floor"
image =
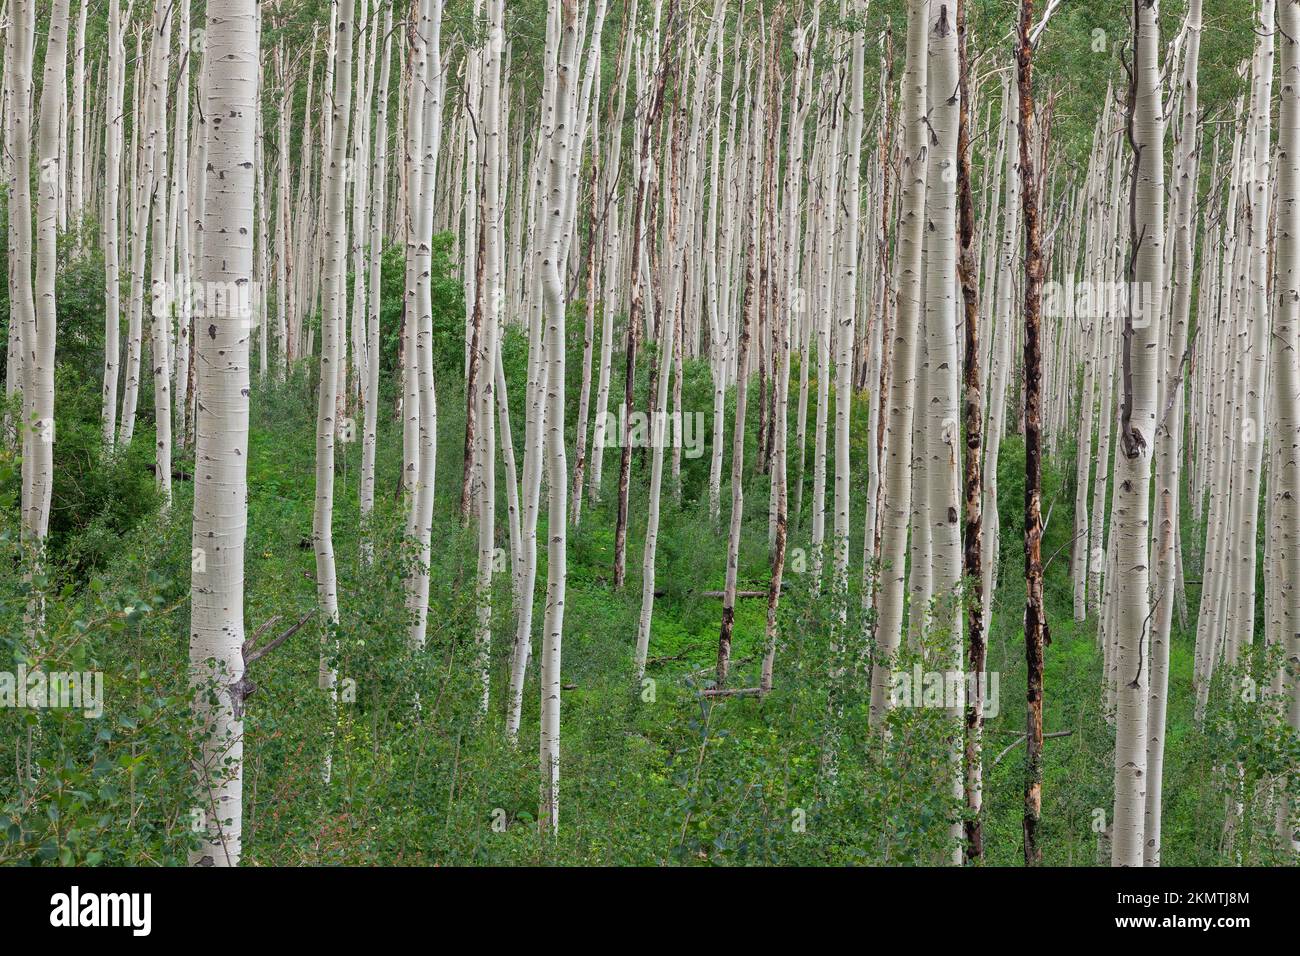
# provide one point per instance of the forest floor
(650, 774)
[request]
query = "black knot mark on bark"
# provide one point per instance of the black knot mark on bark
(212, 332)
(942, 28)
(1133, 441)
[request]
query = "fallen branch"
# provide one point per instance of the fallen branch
(256, 653)
(244, 688)
(1021, 739)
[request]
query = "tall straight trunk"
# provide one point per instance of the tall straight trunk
(22, 27)
(1035, 613)
(1286, 384)
(38, 359)
(747, 319)
(178, 226)
(379, 180)
(802, 78)
(138, 204)
(332, 313)
(849, 283)
(898, 477)
(77, 150)
(634, 316)
(556, 470)
(160, 327)
(424, 135)
(111, 237)
(588, 338)
(411, 143)
(658, 422)
(1169, 440)
(221, 487)
(827, 209)
(285, 272)
(972, 414)
(1139, 352)
(489, 301)
(941, 430)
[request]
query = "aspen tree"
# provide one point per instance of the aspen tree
(285, 273)
(897, 504)
(424, 136)
(1083, 433)
(658, 422)
(802, 73)
(471, 263)
(379, 181)
(39, 340)
(111, 238)
(849, 280)
(746, 319)
(14, 341)
(364, 83)
(138, 202)
(634, 317)
(973, 596)
(941, 430)
(489, 305)
(220, 483)
(1169, 437)
(1137, 433)
(827, 209)
(77, 151)
(412, 144)
(610, 224)
(160, 326)
(553, 295)
(178, 228)
(1286, 381)
(335, 229)
(22, 27)
(1035, 612)
(535, 390)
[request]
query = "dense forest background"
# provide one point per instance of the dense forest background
(656, 772)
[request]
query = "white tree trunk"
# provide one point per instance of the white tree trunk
(1138, 415)
(898, 476)
(220, 487)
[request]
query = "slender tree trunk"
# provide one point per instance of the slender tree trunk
(1286, 385)
(898, 480)
(557, 468)
(1169, 440)
(1137, 434)
(972, 413)
(332, 315)
(1035, 612)
(220, 488)
(112, 179)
